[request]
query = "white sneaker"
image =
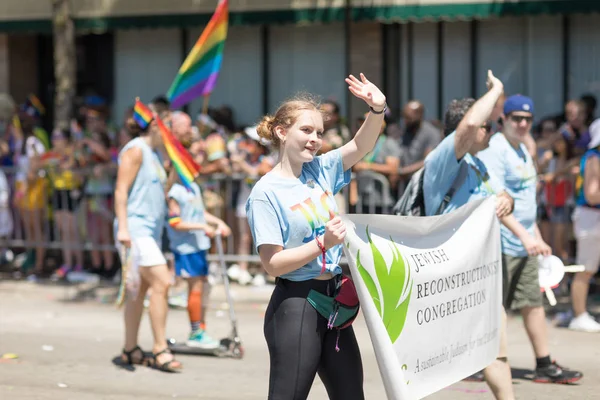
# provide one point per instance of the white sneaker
(259, 280)
(584, 323)
(244, 278)
(234, 272)
(178, 301)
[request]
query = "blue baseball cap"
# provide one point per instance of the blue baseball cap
(518, 103)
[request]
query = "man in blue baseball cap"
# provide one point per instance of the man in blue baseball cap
(507, 158)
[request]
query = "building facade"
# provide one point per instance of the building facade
(430, 50)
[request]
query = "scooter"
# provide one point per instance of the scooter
(230, 346)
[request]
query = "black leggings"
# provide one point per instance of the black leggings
(300, 345)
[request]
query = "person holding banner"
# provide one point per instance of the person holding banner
(454, 176)
(508, 159)
(140, 208)
(586, 224)
(292, 216)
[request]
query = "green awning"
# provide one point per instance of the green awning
(436, 10)
(103, 15)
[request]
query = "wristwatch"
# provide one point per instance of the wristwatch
(379, 112)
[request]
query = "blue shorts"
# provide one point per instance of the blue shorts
(191, 265)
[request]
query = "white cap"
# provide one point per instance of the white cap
(252, 133)
(594, 134)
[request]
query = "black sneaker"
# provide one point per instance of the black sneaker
(476, 377)
(554, 373)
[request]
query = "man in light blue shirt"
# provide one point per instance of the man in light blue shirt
(468, 131)
(508, 159)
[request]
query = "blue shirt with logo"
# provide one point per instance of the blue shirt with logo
(290, 212)
(514, 167)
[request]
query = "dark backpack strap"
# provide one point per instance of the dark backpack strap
(460, 178)
(420, 198)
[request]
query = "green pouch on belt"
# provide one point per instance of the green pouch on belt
(339, 310)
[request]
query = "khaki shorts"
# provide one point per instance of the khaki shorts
(521, 282)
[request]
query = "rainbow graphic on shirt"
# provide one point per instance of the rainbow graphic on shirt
(528, 177)
(317, 215)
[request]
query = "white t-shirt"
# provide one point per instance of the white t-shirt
(33, 147)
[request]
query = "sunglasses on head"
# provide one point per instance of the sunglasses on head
(519, 118)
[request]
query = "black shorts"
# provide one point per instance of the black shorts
(66, 200)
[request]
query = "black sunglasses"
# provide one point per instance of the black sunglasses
(518, 118)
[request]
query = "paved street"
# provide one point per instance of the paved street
(66, 337)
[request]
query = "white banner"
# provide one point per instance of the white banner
(431, 292)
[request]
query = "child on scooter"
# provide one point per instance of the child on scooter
(190, 229)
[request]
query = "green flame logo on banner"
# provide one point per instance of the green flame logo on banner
(395, 286)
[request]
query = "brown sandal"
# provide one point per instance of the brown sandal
(129, 360)
(166, 366)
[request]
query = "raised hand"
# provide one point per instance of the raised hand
(493, 82)
(365, 90)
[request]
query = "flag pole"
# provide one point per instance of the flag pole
(205, 100)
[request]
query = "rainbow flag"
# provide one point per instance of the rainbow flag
(182, 160)
(37, 104)
(142, 114)
(198, 74)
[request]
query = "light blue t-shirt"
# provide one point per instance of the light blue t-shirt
(146, 205)
(290, 212)
(442, 168)
(514, 167)
(191, 210)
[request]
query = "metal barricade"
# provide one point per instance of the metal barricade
(378, 193)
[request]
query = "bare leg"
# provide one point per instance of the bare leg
(534, 319)
(62, 219)
(93, 232)
(75, 239)
(560, 242)
(38, 237)
(159, 279)
(28, 234)
(499, 379)
(579, 292)
(106, 239)
(498, 375)
(134, 309)
(546, 231)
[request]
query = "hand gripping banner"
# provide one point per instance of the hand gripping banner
(431, 292)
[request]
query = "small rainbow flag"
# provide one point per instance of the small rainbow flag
(142, 114)
(198, 74)
(37, 104)
(182, 160)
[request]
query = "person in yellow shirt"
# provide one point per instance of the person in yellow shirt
(61, 163)
(31, 188)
